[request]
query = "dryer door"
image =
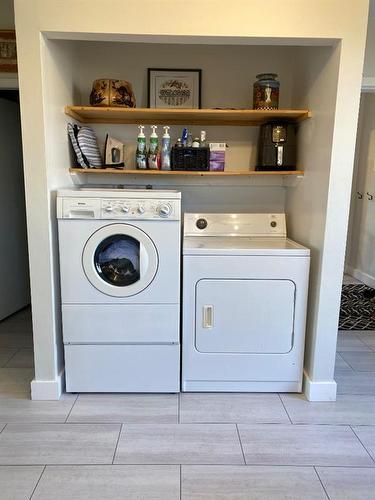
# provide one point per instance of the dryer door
(244, 316)
(120, 260)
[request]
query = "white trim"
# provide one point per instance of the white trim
(368, 84)
(48, 390)
(322, 390)
(9, 83)
(367, 279)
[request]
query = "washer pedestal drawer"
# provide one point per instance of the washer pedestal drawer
(121, 323)
(122, 368)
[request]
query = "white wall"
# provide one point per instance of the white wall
(369, 64)
(361, 245)
(299, 22)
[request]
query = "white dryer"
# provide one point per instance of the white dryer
(120, 289)
(245, 290)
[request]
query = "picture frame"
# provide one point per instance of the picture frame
(8, 51)
(174, 88)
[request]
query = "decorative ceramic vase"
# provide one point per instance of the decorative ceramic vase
(112, 93)
(266, 91)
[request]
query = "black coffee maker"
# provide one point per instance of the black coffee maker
(277, 147)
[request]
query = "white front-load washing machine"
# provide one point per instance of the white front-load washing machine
(244, 304)
(120, 289)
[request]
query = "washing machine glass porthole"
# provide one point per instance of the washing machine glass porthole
(117, 260)
(120, 260)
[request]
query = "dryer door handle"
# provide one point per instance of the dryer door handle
(208, 316)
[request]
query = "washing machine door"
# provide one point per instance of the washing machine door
(120, 260)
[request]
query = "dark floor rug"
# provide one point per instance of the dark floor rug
(356, 312)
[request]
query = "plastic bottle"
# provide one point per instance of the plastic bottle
(141, 153)
(166, 150)
(153, 157)
(203, 142)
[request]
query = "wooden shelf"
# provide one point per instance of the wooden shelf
(244, 117)
(116, 171)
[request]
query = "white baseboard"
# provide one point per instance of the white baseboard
(48, 390)
(319, 391)
(367, 279)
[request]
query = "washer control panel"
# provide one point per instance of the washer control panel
(139, 209)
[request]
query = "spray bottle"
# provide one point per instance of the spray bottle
(153, 157)
(141, 153)
(166, 150)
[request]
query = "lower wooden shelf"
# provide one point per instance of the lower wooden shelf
(106, 171)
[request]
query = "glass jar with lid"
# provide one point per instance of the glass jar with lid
(266, 91)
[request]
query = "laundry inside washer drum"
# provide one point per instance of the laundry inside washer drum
(117, 260)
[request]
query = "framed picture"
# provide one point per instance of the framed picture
(8, 52)
(174, 88)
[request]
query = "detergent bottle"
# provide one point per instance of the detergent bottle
(166, 150)
(153, 157)
(141, 153)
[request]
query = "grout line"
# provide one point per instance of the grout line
(117, 442)
(180, 482)
(179, 408)
(286, 411)
(356, 435)
(10, 359)
(346, 361)
(239, 439)
(321, 482)
(37, 484)
(343, 360)
(70, 411)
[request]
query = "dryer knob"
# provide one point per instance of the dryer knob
(201, 223)
(141, 209)
(109, 208)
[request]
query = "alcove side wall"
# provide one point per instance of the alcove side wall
(318, 207)
(306, 202)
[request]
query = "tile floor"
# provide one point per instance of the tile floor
(188, 446)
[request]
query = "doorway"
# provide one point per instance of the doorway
(16, 353)
(355, 362)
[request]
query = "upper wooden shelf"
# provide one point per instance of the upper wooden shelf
(244, 117)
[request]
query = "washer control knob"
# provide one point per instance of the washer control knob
(141, 209)
(125, 209)
(164, 210)
(109, 208)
